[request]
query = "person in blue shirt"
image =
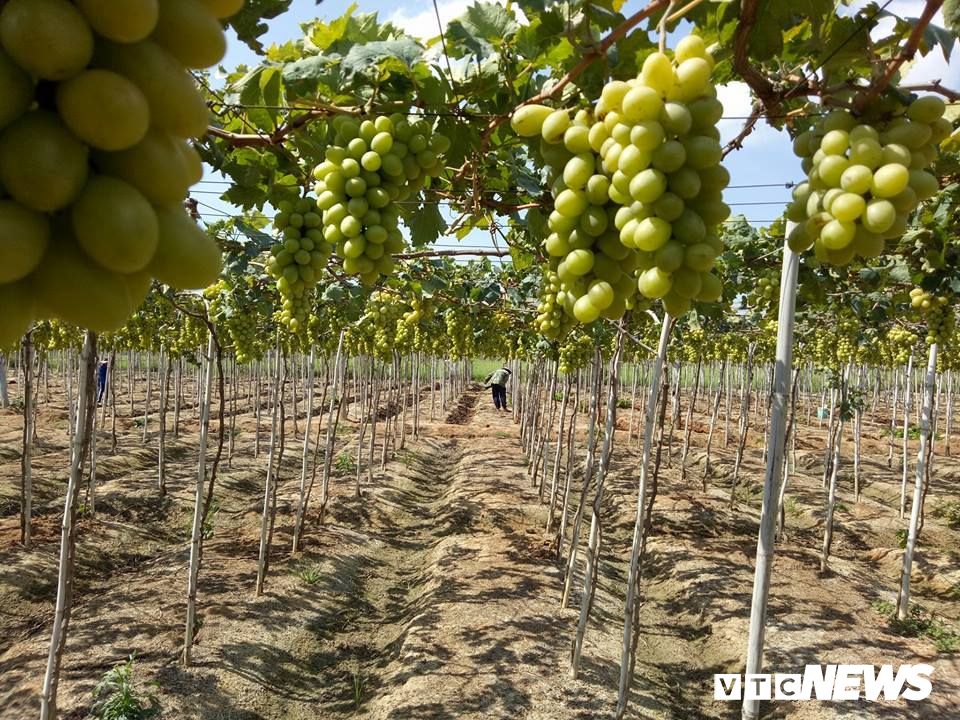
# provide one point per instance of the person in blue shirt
(497, 381)
(101, 380)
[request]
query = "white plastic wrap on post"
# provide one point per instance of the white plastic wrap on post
(903, 601)
(772, 476)
(626, 666)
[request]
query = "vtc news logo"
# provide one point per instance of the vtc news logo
(830, 682)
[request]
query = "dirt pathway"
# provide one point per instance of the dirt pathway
(433, 596)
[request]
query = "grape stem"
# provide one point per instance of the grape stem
(908, 52)
(615, 35)
(759, 83)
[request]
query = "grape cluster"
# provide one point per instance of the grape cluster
(847, 340)
(767, 289)
(864, 179)
(900, 343)
(576, 352)
(551, 319)
(938, 314)
(664, 154)
(637, 185)
(237, 320)
(370, 167)
(297, 258)
(460, 339)
(96, 110)
(593, 269)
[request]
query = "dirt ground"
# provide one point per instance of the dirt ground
(437, 595)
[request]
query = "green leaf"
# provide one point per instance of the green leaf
(317, 75)
(248, 23)
(398, 54)
(482, 27)
(425, 225)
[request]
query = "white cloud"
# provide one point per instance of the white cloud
(737, 105)
(424, 23)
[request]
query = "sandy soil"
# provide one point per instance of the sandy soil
(436, 594)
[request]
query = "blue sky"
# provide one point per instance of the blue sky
(766, 157)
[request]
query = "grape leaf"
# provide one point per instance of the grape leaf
(248, 23)
(396, 54)
(425, 225)
(481, 27)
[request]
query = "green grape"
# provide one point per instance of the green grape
(865, 176)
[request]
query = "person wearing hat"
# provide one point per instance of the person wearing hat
(497, 381)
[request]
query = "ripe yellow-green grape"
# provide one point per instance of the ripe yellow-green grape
(115, 225)
(104, 109)
(190, 32)
(156, 166)
(48, 38)
(124, 21)
(24, 235)
(42, 165)
(186, 257)
(70, 286)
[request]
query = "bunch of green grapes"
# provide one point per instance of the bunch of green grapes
(94, 160)
(693, 340)
(664, 153)
(460, 339)
(847, 340)
(589, 273)
(820, 349)
(374, 333)
(237, 320)
(576, 352)
(937, 311)
(370, 167)
(652, 149)
(297, 258)
(864, 178)
(551, 319)
(900, 344)
(186, 335)
(767, 289)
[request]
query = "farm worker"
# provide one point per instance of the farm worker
(101, 380)
(497, 380)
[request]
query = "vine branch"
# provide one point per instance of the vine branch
(908, 53)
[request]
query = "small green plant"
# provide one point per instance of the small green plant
(344, 463)
(406, 458)
(840, 507)
(950, 511)
(902, 539)
(624, 403)
(118, 696)
(792, 506)
(359, 681)
(206, 530)
(920, 622)
(502, 434)
(83, 510)
(309, 573)
(913, 433)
